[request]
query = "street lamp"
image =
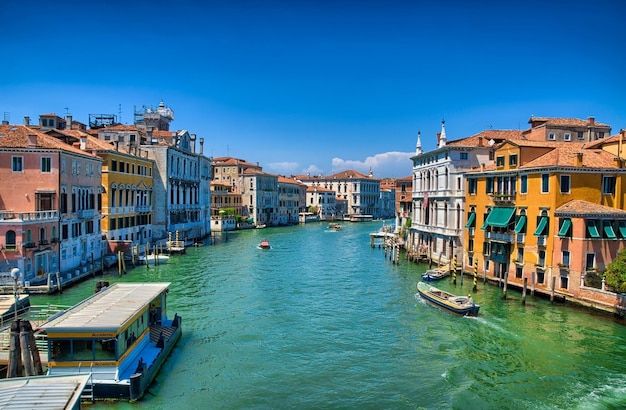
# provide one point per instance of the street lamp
(15, 274)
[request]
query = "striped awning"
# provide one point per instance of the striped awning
(593, 229)
(471, 220)
(567, 224)
(499, 217)
(519, 226)
(541, 226)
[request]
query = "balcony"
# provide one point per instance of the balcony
(520, 237)
(564, 267)
(470, 231)
(541, 240)
(43, 242)
(86, 213)
(503, 198)
(501, 237)
(30, 245)
(55, 240)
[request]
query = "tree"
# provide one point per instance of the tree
(615, 273)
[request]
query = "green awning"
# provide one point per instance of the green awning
(470, 220)
(622, 228)
(593, 229)
(519, 226)
(608, 231)
(499, 217)
(567, 223)
(542, 225)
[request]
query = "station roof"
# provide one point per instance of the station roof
(108, 310)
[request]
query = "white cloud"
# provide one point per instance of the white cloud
(385, 165)
(312, 170)
(282, 168)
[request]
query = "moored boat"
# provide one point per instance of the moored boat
(461, 305)
(153, 259)
(120, 336)
(435, 274)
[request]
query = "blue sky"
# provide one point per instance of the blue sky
(317, 86)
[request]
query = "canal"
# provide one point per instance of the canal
(323, 321)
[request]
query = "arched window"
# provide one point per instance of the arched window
(10, 240)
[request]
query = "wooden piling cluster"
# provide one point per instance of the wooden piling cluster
(24, 359)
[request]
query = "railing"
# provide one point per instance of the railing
(40, 216)
(87, 213)
(497, 198)
(520, 237)
(503, 237)
(541, 240)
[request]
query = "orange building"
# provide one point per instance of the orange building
(549, 212)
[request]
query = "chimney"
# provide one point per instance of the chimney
(5, 122)
(591, 120)
(192, 137)
(482, 167)
(117, 144)
(32, 140)
(480, 141)
(201, 146)
(578, 160)
(68, 122)
(27, 120)
(83, 143)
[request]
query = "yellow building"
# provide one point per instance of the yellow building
(127, 202)
(530, 214)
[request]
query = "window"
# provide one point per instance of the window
(44, 201)
(565, 258)
(471, 186)
(551, 136)
(464, 155)
(581, 135)
(500, 161)
(600, 135)
(608, 185)
(10, 240)
(513, 160)
(565, 184)
(46, 164)
(545, 183)
(567, 136)
(523, 184)
(489, 185)
(17, 164)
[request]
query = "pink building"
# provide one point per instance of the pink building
(49, 221)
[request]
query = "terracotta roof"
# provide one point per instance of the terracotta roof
(318, 189)
(602, 141)
(484, 137)
(285, 180)
(16, 136)
(572, 122)
(565, 156)
(581, 207)
(347, 175)
(233, 161)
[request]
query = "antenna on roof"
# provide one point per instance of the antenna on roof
(119, 110)
(67, 110)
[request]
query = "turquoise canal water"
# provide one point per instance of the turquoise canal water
(323, 321)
